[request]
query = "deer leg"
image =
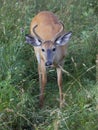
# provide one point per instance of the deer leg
(59, 80)
(42, 81)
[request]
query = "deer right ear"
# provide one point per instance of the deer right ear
(32, 40)
(62, 40)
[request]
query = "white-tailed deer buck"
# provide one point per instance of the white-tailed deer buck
(49, 39)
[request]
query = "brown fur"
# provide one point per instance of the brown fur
(48, 27)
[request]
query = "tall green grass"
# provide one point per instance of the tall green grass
(19, 87)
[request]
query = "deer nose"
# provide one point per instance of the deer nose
(48, 63)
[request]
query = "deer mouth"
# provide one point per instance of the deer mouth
(48, 64)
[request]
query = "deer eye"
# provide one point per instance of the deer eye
(43, 50)
(53, 49)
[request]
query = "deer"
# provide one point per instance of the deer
(49, 40)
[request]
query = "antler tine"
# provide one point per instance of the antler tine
(60, 32)
(39, 38)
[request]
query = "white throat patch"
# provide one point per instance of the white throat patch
(38, 57)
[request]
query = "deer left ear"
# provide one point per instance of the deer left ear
(32, 40)
(62, 40)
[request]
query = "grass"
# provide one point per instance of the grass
(19, 87)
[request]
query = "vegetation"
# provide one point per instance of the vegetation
(19, 87)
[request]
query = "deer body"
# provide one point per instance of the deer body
(49, 39)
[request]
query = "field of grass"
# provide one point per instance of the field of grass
(19, 87)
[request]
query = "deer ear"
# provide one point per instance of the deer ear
(62, 40)
(32, 40)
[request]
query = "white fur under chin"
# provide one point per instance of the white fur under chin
(38, 58)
